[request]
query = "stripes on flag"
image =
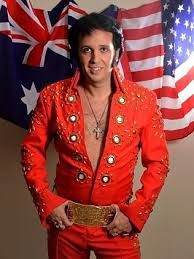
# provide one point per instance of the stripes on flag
(147, 43)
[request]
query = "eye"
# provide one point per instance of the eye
(86, 50)
(104, 49)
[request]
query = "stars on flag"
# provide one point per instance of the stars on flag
(30, 97)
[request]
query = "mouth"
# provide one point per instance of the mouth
(95, 69)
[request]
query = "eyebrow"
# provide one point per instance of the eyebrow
(101, 45)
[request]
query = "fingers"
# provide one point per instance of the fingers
(120, 224)
(58, 217)
(59, 225)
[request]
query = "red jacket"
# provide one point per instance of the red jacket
(134, 123)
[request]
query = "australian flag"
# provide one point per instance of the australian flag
(34, 52)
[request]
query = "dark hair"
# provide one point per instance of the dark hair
(94, 21)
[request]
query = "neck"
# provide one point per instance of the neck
(98, 90)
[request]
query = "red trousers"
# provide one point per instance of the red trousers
(75, 242)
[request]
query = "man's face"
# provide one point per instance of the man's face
(96, 54)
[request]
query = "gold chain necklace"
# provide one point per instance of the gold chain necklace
(97, 130)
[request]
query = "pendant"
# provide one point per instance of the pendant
(99, 132)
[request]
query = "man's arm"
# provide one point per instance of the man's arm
(155, 160)
(33, 161)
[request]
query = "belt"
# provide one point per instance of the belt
(90, 215)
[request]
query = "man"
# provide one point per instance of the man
(98, 122)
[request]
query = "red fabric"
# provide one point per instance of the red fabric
(76, 242)
(142, 128)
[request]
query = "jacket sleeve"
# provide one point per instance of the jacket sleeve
(155, 161)
(33, 159)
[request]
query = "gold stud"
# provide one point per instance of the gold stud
(116, 139)
(105, 178)
(120, 119)
(81, 177)
(77, 157)
(122, 100)
(73, 137)
(73, 118)
(111, 159)
(71, 98)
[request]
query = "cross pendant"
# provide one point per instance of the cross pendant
(98, 131)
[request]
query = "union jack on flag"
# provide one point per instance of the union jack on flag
(33, 53)
(159, 39)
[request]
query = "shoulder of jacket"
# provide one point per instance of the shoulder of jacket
(55, 89)
(136, 89)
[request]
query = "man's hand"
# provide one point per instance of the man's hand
(59, 218)
(120, 224)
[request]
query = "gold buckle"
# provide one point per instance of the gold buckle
(90, 215)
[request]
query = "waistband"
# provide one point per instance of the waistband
(90, 215)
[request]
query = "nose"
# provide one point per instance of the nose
(94, 57)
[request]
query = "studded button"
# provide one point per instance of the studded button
(105, 178)
(73, 118)
(77, 157)
(73, 137)
(71, 98)
(120, 119)
(81, 177)
(116, 139)
(111, 159)
(122, 100)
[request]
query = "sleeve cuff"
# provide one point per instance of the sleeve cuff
(49, 201)
(136, 213)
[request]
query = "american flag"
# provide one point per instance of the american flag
(159, 40)
(33, 43)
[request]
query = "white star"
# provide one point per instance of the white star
(172, 15)
(176, 62)
(189, 9)
(192, 26)
(183, 36)
(175, 34)
(165, 23)
(180, 8)
(170, 46)
(188, 52)
(179, 49)
(186, 24)
(190, 39)
(169, 62)
(171, 30)
(177, 21)
(30, 98)
(165, 6)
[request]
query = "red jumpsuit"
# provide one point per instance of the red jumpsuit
(134, 123)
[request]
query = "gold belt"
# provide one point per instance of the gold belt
(90, 215)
